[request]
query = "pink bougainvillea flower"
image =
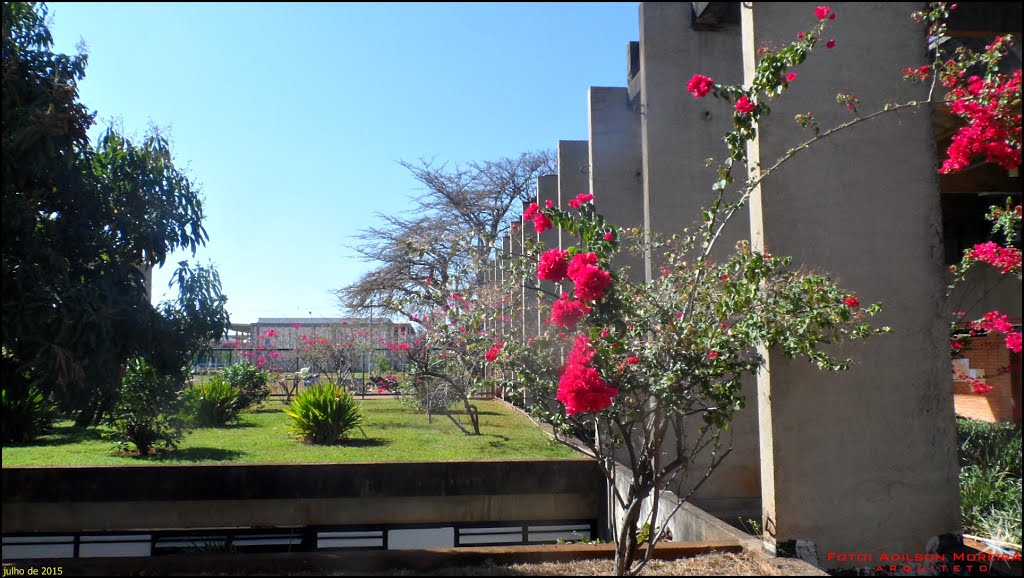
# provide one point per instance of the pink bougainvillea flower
(852, 302)
(1013, 342)
(530, 211)
(632, 360)
(744, 105)
(800, 36)
(609, 236)
(549, 203)
(494, 351)
(578, 261)
(830, 44)
(553, 265)
(791, 77)
(591, 282)
(700, 85)
(712, 355)
(822, 12)
(566, 313)
(581, 388)
(542, 223)
(1005, 259)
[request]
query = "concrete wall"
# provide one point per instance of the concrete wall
(862, 461)
(616, 167)
(228, 496)
(678, 134)
(573, 176)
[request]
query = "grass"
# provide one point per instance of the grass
(393, 433)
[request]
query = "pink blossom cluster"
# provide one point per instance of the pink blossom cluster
(581, 388)
(541, 222)
(700, 85)
(494, 351)
(591, 281)
(553, 265)
(580, 200)
(993, 128)
(566, 313)
(1005, 259)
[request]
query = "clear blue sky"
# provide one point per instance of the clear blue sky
(292, 117)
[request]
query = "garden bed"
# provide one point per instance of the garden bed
(392, 433)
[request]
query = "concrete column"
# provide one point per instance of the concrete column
(547, 189)
(678, 134)
(679, 131)
(512, 308)
(573, 177)
(862, 461)
(616, 166)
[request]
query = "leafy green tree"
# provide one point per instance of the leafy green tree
(80, 225)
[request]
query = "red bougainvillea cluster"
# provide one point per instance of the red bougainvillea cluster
(581, 388)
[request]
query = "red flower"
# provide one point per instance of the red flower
(553, 265)
(530, 211)
(609, 236)
(494, 351)
(744, 105)
(580, 260)
(542, 223)
(591, 281)
(566, 313)
(791, 77)
(580, 200)
(822, 12)
(1013, 342)
(852, 302)
(830, 44)
(549, 203)
(581, 388)
(1005, 259)
(632, 360)
(699, 86)
(800, 36)
(712, 355)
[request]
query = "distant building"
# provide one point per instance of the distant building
(278, 342)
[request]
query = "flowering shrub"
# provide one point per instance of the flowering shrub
(646, 359)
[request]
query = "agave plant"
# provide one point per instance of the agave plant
(324, 414)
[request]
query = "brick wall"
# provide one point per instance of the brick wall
(1000, 368)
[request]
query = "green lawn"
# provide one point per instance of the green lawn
(393, 433)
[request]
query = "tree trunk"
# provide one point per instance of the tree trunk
(625, 545)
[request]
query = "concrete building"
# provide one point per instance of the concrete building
(279, 340)
(862, 461)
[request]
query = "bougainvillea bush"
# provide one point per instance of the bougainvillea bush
(650, 374)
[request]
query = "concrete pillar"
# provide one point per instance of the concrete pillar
(862, 461)
(547, 189)
(616, 166)
(678, 134)
(573, 177)
(679, 131)
(511, 309)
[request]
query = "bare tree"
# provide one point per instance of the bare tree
(449, 235)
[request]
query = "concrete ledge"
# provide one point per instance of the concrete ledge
(365, 560)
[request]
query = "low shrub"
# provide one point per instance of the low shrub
(251, 383)
(987, 445)
(324, 414)
(148, 410)
(214, 403)
(990, 479)
(26, 416)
